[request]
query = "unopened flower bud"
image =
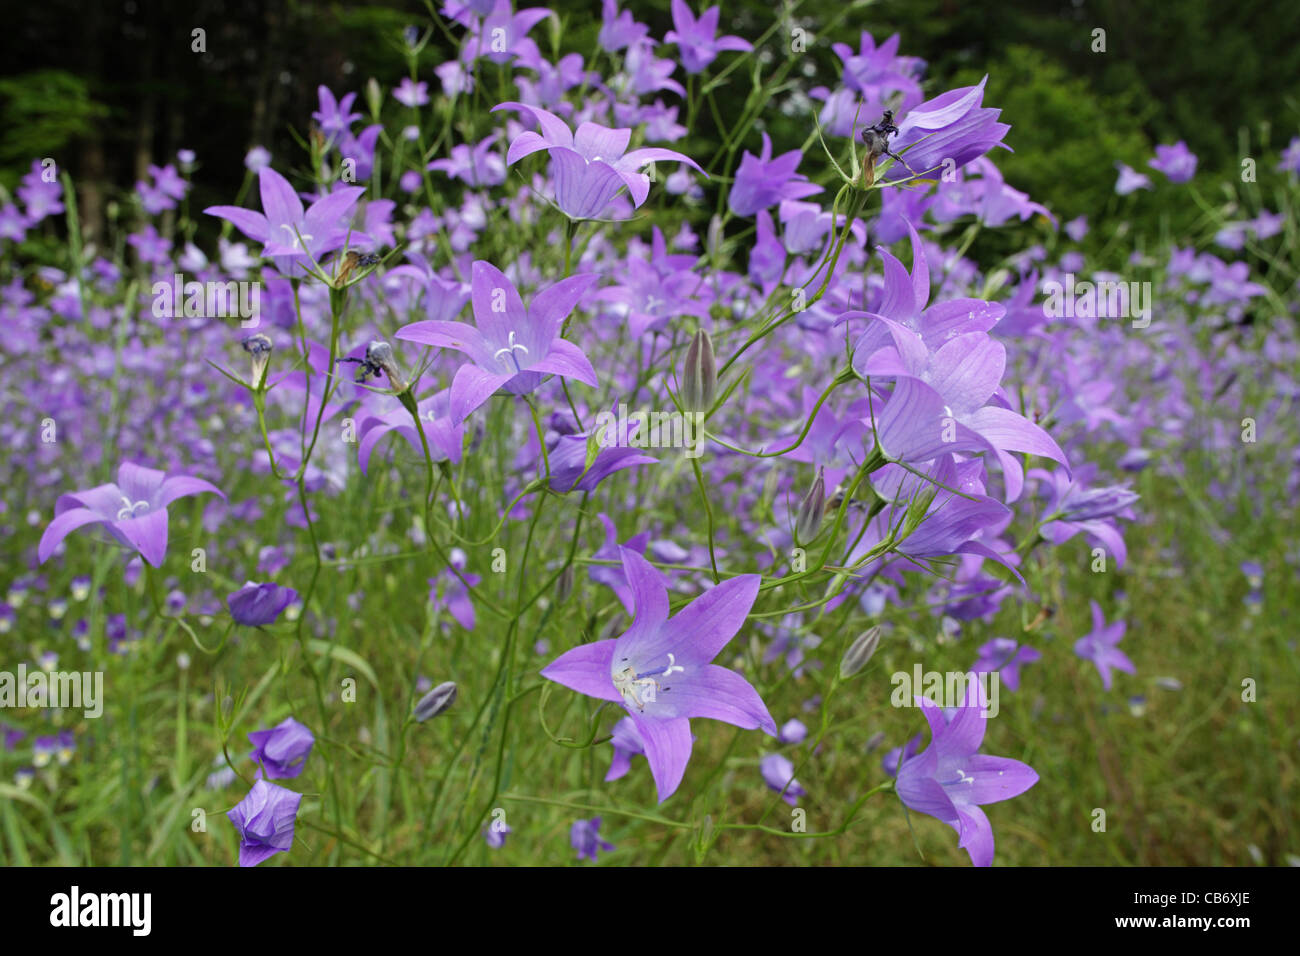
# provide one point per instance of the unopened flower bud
(700, 374)
(436, 701)
(259, 347)
(809, 517)
(859, 652)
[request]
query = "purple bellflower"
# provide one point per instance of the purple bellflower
(1004, 655)
(289, 234)
(953, 126)
(591, 165)
(950, 781)
(778, 774)
(510, 347)
(762, 181)
(661, 669)
(1176, 161)
(697, 39)
(254, 605)
(265, 821)
(1099, 646)
(1130, 180)
(134, 508)
(584, 836)
(283, 750)
(941, 399)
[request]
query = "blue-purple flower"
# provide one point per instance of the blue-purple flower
(1005, 656)
(584, 836)
(511, 347)
(762, 181)
(288, 233)
(697, 39)
(1176, 161)
(945, 133)
(133, 509)
(949, 780)
(661, 668)
(254, 605)
(778, 774)
(591, 165)
(282, 750)
(264, 820)
(1099, 646)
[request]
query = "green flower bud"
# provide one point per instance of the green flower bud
(436, 701)
(700, 374)
(809, 517)
(859, 652)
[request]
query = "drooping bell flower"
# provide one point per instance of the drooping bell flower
(283, 749)
(264, 820)
(255, 605)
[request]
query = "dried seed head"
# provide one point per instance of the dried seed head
(259, 347)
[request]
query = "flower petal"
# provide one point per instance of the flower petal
(182, 486)
(147, 533)
(471, 388)
(586, 669)
(715, 693)
(668, 750)
(63, 525)
(567, 360)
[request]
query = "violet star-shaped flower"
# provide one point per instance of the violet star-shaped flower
(778, 774)
(762, 181)
(584, 836)
(950, 781)
(661, 668)
(941, 399)
(906, 299)
(134, 509)
(1099, 646)
(1005, 656)
(591, 165)
(1130, 180)
(510, 347)
(697, 39)
(289, 233)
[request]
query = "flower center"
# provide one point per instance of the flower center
(294, 236)
(509, 351)
(644, 688)
(129, 508)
